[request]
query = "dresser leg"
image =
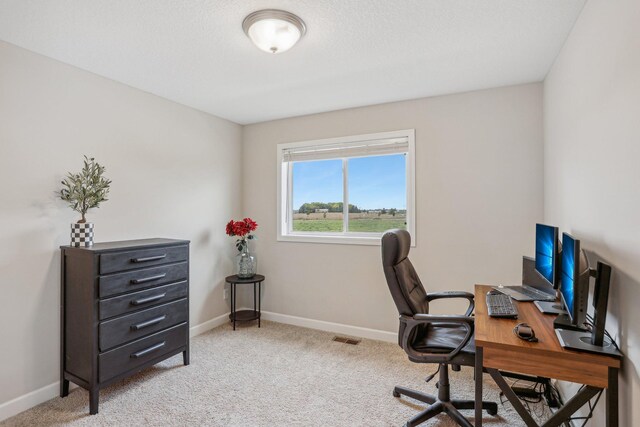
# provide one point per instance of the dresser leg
(94, 396)
(64, 387)
(185, 357)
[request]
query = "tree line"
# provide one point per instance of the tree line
(337, 207)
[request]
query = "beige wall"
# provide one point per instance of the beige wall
(479, 182)
(592, 172)
(175, 173)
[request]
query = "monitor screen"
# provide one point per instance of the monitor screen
(546, 251)
(569, 270)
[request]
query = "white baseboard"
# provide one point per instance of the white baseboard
(29, 400)
(26, 401)
(337, 328)
(208, 325)
(304, 322)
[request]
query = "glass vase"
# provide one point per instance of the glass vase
(247, 263)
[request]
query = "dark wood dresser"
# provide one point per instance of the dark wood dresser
(124, 307)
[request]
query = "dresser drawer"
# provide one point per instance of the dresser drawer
(137, 353)
(135, 301)
(122, 261)
(130, 281)
(132, 326)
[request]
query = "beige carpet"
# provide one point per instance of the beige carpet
(278, 375)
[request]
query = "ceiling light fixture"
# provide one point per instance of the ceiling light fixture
(274, 31)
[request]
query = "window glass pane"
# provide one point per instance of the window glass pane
(317, 196)
(377, 193)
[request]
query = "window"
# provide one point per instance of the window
(346, 190)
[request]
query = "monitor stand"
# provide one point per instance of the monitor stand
(600, 302)
(576, 340)
(550, 307)
(564, 322)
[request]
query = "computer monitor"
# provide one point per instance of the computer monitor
(594, 341)
(547, 253)
(574, 283)
(600, 302)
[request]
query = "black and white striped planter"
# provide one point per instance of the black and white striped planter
(82, 234)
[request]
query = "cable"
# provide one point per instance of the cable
(590, 321)
(558, 397)
(591, 409)
(612, 340)
(531, 404)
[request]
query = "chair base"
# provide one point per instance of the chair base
(436, 406)
(442, 403)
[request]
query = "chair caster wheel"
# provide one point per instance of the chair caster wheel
(396, 394)
(493, 410)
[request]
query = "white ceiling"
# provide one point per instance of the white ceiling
(355, 52)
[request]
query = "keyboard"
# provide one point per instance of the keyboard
(500, 305)
(528, 292)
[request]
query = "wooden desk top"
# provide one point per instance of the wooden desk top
(496, 335)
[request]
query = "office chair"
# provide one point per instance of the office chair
(429, 338)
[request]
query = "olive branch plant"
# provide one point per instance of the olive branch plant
(86, 189)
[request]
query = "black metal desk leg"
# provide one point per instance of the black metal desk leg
(612, 398)
(255, 307)
(570, 407)
(259, 297)
(513, 398)
(478, 379)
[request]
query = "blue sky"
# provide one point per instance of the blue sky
(374, 182)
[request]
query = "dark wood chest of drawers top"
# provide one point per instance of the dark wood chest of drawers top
(124, 306)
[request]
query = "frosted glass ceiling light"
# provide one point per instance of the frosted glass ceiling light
(274, 31)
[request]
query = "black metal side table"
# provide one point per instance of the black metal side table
(245, 315)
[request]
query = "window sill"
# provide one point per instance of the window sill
(368, 240)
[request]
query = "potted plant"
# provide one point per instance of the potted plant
(83, 191)
(247, 264)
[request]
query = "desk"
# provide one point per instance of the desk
(498, 349)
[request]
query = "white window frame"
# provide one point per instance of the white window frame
(285, 187)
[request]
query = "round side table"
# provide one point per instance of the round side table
(245, 315)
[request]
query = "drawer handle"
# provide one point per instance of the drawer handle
(148, 323)
(147, 279)
(148, 299)
(149, 258)
(148, 350)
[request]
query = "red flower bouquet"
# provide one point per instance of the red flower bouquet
(242, 229)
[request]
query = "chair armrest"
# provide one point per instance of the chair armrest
(423, 319)
(447, 318)
(454, 294)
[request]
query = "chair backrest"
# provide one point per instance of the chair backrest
(403, 281)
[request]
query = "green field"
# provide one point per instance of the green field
(365, 225)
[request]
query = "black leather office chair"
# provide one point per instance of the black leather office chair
(429, 338)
